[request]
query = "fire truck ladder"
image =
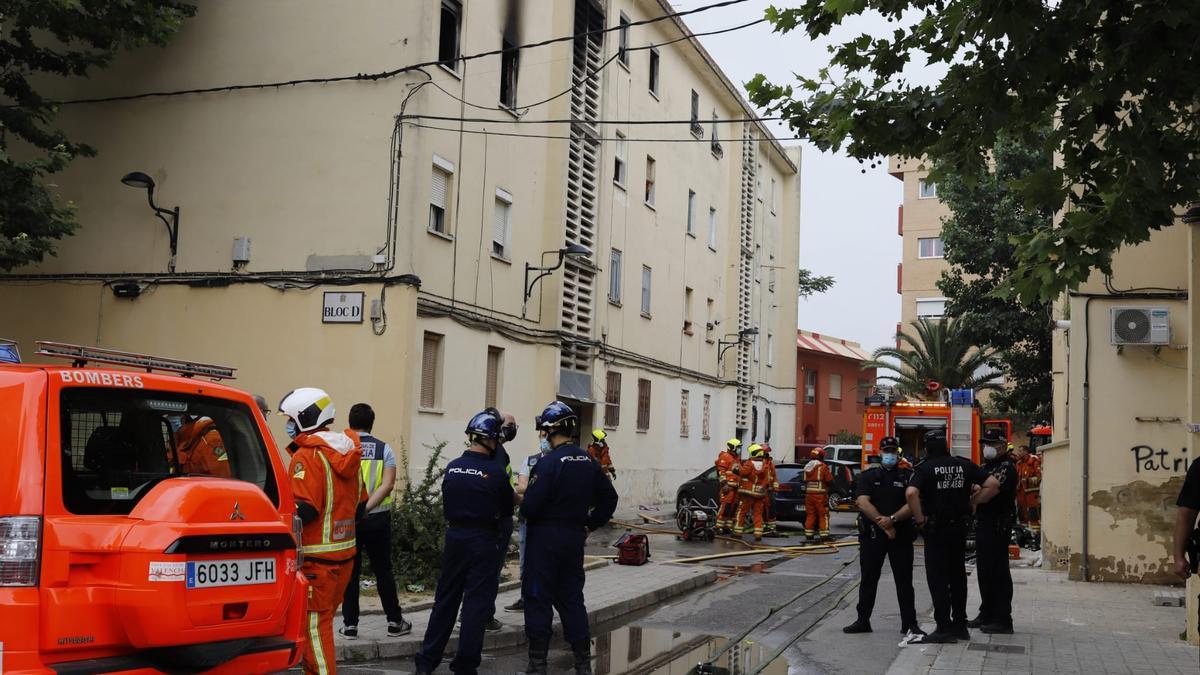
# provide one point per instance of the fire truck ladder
(80, 356)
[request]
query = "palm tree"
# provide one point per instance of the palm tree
(939, 353)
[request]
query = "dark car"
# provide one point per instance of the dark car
(789, 501)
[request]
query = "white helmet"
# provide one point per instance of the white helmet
(310, 408)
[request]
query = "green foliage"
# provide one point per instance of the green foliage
(41, 40)
(939, 352)
(1119, 80)
(810, 285)
(418, 525)
(846, 437)
(986, 214)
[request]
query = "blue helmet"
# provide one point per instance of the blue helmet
(485, 425)
(557, 415)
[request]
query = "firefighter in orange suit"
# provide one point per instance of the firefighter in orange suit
(1029, 488)
(598, 451)
(752, 492)
(817, 478)
(329, 499)
(199, 448)
(772, 490)
(728, 464)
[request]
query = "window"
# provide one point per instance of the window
(502, 227)
(757, 348)
(716, 143)
(691, 213)
(619, 160)
(926, 190)
(643, 417)
(773, 196)
(931, 307)
(646, 273)
(705, 430)
(687, 311)
(623, 40)
(835, 386)
(649, 181)
(612, 399)
(931, 247)
(810, 387)
(754, 423)
(654, 72)
(684, 395)
(448, 40)
(439, 220)
(767, 424)
(510, 61)
(495, 364)
(712, 228)
(697, 130)
(709, 320)
(860, 396)
(119, 443)
(614, 277)
(634, 652)
(770, 350)
(431, 371)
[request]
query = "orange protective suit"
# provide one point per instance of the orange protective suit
(200, 450)
(817, 478)
(325, 476)
(1029, 490)
(727, 473)
(772, 490)
(752, 495)
(599, 452)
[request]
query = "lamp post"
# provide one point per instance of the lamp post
(142, 181)
(572, 251)
(724, 345)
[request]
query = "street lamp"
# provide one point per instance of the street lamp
(142, 181)
(569, 251)
(724, 345)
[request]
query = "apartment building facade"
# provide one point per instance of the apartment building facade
(380, 235)
(831, 388)
(919, 224)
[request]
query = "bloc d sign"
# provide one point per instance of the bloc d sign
(342, 307)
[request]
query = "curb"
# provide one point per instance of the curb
(506, 586)
(514, 636)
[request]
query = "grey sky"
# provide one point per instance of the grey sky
(848, 219)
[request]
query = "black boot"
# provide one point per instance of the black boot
(979, 621)
(583, 657)
(538, 651)
(859, 626)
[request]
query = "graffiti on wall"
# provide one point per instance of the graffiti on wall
(1147, 459)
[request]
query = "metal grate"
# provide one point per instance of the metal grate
(1003, 649)
(83, 423)
(746, 273)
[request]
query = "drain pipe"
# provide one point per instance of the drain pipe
(1087, 354)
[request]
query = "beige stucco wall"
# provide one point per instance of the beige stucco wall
(922, 218)
(1138, 445)
(275, 339)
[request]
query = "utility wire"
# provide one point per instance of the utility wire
(513, 134)
(489, 120)
(388, 74)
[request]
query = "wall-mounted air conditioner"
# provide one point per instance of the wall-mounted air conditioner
(1140, 325)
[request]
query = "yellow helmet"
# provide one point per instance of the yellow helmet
(734, 444)
(756, 450)
(599, 435)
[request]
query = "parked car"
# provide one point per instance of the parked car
(789, 502)
(844, 453)
(118, 556)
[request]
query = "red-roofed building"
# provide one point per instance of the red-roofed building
(830, 387)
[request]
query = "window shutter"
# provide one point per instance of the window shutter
(429, 363)
(612, 399)
(683, 412)
(491, 388)
(643, 405)
(500, 226)
(439, 188)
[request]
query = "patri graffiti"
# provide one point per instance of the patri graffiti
(1148, 459)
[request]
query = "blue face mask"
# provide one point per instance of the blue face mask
(292, 429)
(889, 460)
(544, 446)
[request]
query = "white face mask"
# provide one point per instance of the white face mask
(544, 446)
(989, 452)
(291, 428)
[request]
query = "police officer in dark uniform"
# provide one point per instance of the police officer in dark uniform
(568, 496)
(885, 529)
(993, 532)
(476, 499)
(940, 498)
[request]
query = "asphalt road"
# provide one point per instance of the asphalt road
(673, 637)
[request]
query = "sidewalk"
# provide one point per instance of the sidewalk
(612, 591)
(1065, 627)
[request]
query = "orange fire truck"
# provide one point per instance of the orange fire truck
(960, 415)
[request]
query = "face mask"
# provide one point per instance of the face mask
(989, 452)
(889, 460)
(292, 429)
(510, 432)
(176, 423)
(544, 446)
